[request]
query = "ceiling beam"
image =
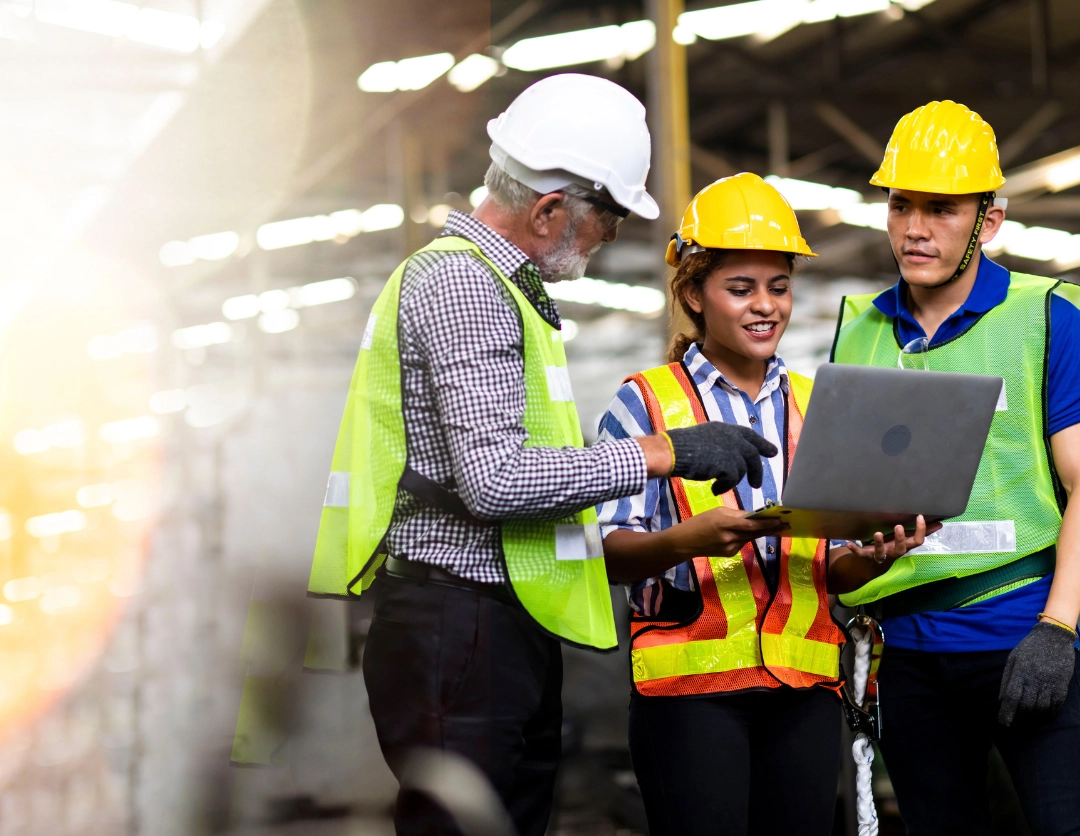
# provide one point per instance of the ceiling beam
(849, 131)
(711, 163)
(1029, 131)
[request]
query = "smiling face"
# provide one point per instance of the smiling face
(930, 232)
(746, 303)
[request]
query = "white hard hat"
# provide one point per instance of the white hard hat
(577, 129)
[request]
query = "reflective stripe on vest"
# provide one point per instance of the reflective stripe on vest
(745, 636)
(555, 568)
(1013, 510)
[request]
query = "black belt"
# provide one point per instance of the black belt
(955, 592)
(417, 572)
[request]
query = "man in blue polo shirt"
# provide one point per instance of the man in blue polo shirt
(979, 623)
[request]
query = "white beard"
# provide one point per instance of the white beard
(563, 262)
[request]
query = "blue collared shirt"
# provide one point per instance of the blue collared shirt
(998, 623)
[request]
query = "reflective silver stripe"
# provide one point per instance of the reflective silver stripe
(970, 538)
(1003, 400)
(337, 490)
(578, 542)
(369, 332)
(558, 381)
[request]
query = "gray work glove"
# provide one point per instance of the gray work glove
(724, 452)
(1038, 672)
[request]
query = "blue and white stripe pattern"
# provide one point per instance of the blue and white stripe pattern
(654, 509)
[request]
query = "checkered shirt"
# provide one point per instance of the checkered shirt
(461, 342)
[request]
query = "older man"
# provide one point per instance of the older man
(460, 466)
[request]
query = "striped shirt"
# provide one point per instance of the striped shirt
(654, 508)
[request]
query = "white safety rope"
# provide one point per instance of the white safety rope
(861, 749)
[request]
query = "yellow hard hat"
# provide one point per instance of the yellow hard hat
(742, 212)
(944, 148)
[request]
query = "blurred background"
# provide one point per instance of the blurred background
(200, 201)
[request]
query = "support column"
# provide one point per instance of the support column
(778, 138)
(1040, 37)
(670, 127)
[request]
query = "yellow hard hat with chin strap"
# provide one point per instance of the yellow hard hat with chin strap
(944, 148)
(742, 212)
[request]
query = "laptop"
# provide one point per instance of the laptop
(881, 446)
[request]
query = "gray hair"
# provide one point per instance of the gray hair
(514, 196)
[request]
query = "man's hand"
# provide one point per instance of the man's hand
(855, 566)
(721, 532)
(1038, 672)
(884, 553)
(724, 452)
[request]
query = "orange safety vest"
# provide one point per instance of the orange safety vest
(746, 635)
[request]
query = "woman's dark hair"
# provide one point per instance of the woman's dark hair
(693, 271)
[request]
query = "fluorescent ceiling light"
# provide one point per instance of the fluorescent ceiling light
(51, 525)
(322, 293)
(94, 496)
(304, 296)
(473, 71)
(64, 434)
(624, 297)
(153, 27)
(344, 224)
(142, 339)
(869, 215)
(803, 194)
(770, 18)
(200, 336)
(1038, 243)
(407, 74)
(170, 400)
(214, 247)
(683, 35)
(629, 41)
(277, 322)
(129, 429)
(23, 589)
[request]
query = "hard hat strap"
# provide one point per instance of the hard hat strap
(985, 202)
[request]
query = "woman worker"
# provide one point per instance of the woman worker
(734, 713)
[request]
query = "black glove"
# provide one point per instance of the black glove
(1038, 672)
(724, 452)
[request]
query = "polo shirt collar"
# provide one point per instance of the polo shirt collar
(989, 290)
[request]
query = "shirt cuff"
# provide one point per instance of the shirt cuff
(629, 473)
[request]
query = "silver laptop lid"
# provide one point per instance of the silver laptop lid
(891, 440)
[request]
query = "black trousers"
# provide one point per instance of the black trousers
(939, 719)
(463, 671)
(758, 762)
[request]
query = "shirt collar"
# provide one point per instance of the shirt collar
(508, 257)
(706, 375)
(989, 290)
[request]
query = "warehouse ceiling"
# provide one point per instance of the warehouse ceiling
(270, 124)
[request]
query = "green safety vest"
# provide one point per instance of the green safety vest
(1016, 503)
(555, 568)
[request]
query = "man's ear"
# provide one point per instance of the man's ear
(546, 215)
(995, 215)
